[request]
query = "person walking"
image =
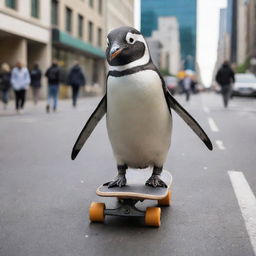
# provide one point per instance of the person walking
(53, 76)
(225, 77)
(187, 81)
(36, 75)
(20, 80)
(76, 78)
(5, 83)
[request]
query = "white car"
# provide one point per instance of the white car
(245, 85)
(171, 83)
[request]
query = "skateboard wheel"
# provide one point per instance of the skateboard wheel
(166, 200)
(153, 216)
(96, 212)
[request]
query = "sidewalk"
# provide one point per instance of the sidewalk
(32, 109)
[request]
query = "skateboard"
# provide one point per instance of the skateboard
(128, 196)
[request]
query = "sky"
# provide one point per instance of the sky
(207, 34)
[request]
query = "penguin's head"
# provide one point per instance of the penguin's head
(126, 48)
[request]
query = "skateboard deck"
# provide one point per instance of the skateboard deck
(136, 188)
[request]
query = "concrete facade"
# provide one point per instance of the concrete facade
(119, 13)
(65, 30)
(21, 34)
(168, 35)
(251, 28)
(224, 39)
(241, 31)
(25, 38)
(85, 44)
(155, 48)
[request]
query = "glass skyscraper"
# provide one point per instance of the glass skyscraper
(186, 13)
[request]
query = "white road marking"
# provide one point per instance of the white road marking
(220, 144)
(212, 124)
(247, 203)
(206, 109)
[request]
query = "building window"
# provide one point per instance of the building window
(80, 26)
(68, 20)
(99, 41)
(35, 8)
(90, 31)
(91, 3)
(100, 7)
(55, 12)
(11, 4)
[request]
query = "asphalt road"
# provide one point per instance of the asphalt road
(44, 196)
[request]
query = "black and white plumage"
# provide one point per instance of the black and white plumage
(138, 109)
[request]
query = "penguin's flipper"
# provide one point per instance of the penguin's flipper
(96, 116)
(189, 120)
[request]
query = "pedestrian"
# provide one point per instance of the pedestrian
(5, 83)
(225, 78)
(187, 81)
(20, 80)
(36, 75)
(76, 78)
(53, 76)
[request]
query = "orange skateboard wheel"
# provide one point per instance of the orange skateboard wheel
(153, 216)
(96, 212)
(166, 200)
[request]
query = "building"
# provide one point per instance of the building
(186, 13)
(251, 34)
(241, 31)
(232, 29)
(38, 31)
(241, 28)
(168, 35)
(119, 13)
(224, 41)
(155, 48)
(78, 33)
(25, 32)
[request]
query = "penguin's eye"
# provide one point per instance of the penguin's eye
(130, 39)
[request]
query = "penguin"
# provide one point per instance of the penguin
(138, 108)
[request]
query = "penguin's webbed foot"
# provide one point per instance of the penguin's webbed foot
(155, 181)
(119, 181)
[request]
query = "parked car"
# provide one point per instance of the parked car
(245, 85)
(171, 83)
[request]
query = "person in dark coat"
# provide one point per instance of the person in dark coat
(53, 76)
(5, 83)
(76, 78)
(35, 75)
(225, 78)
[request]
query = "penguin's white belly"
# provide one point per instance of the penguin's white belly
(138, 119)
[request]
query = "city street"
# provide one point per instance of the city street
(45, 196)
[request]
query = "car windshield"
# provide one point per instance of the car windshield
(171, 79)
(246, 79)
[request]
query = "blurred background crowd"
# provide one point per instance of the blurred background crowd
(37, 36)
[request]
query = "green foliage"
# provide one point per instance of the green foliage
(165, 72)
(243, 67)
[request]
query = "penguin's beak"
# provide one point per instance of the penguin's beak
(115, 50)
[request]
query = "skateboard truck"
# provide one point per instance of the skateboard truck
(127, 208)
